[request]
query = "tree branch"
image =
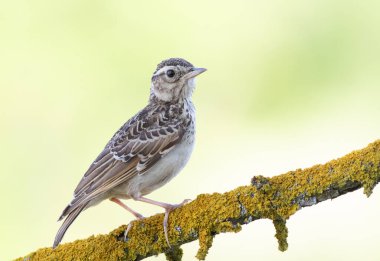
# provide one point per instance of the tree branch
(275, 198)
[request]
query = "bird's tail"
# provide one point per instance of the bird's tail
(68, 221)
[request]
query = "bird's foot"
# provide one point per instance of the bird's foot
(138, 217)
(168, 208)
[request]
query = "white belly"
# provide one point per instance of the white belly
(161, 173)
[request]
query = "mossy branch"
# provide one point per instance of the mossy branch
(275, 198)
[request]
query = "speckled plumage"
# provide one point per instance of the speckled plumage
(147, 151)
(173, 62)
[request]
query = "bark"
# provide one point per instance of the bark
(275, 198)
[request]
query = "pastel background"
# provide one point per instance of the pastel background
(289, 84)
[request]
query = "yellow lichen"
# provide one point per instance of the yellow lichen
(205, 242)
(102, 247)
(174, 254)
(281, 234)
(275, 198)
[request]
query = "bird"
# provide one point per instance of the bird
(147, 151)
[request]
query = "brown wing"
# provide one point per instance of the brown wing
(135, 148)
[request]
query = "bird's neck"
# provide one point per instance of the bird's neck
(180, 101)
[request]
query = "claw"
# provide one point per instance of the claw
(136, 214)
(127, 230)
(168, 209)
(166, 218)
(139, 217)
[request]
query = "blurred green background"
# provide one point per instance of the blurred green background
(289, 84)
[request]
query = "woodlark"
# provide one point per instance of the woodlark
(147, 151)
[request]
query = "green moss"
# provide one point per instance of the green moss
(281, 234)
(174, 254)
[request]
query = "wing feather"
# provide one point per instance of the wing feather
(114, 177)
(133, 150)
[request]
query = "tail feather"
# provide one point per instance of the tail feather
(68, 221)
(64, 212)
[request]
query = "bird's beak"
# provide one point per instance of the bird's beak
(194, 72)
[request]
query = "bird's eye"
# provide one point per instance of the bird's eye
(170, 73)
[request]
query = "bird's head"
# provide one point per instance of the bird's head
(174, 80)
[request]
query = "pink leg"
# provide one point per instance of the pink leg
(167, 207)
(117, 201)
(137, 215)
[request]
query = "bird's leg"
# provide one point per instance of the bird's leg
(118, 201)
(167, 207)
(137, 215)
